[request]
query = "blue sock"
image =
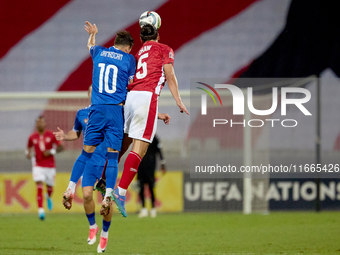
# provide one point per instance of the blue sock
(79, 166)
(91, 218)
(111, 169)
(99, 161)
(106, 225)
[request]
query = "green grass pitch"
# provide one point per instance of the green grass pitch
(184, 233)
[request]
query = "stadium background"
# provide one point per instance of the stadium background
(44, 50)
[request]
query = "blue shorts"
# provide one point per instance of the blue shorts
(106, 121)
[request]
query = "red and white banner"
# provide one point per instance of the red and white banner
(44, 47)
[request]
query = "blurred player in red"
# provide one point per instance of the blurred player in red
(154, 67)
(45, 146)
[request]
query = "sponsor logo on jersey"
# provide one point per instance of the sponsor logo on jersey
(86, 120)
(171, 55)
(48, 139)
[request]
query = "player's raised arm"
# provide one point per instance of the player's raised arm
(70, 136)
(92, 30)
(173, 86)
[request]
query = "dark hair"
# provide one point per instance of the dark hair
(40, 117)
(148, 32)
(124, 38)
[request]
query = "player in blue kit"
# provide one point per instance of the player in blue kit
(113, 70)
(80, 124)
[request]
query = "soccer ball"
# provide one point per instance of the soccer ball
(150, 17)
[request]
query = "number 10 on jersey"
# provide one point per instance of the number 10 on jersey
(104, 78)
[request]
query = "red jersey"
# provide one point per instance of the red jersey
(150, 59)
(42, 143)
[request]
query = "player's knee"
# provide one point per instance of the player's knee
(85, 156)
(87, 195)
(87, 198)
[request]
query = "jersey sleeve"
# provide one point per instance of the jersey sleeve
(30, 142)
(77, 124)
(94, 50)
(168, 55)
(132, 68)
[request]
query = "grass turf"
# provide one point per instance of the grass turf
(185, 233)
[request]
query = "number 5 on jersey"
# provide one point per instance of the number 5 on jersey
(105, 78)
(141, 64)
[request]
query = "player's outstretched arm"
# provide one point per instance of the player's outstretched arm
(53, 151)
(173, 86)
(70, 136)
(28, 152)
(165, 117)
(92, 30)
(60, 148)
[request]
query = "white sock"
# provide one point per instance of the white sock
(104, 234)
(72, 186)
(41, 210)
(93, 226)
(122, 192)
(108, 192)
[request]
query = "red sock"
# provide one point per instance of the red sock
(40, 195)
(130, 169)
(49, 190)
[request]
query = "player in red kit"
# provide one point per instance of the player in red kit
(45, 146)
(154, 67)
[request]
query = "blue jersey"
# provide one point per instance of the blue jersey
(81, 119)
(112, 69)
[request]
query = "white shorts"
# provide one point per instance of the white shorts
(44, 174)
(140, 113)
